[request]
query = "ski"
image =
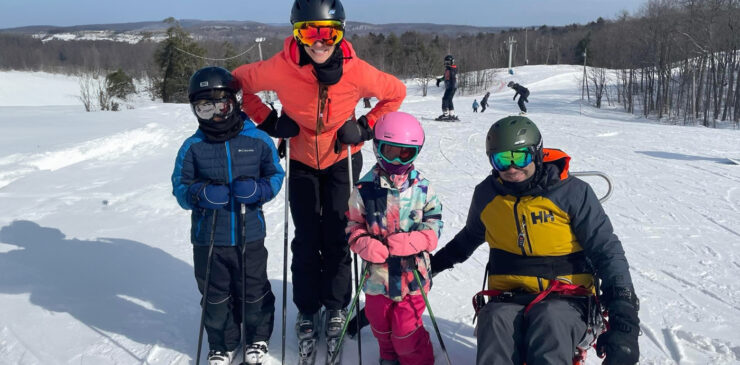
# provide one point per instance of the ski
(307, 351)
(331, 347)
(441, 120)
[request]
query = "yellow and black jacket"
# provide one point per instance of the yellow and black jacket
(556, 229)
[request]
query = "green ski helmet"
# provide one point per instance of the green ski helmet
(514, 132)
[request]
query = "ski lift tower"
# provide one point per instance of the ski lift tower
(511, 42)
(268, 96)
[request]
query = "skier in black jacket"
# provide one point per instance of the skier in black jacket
(484, 102)
(450, 79)
(523, 93)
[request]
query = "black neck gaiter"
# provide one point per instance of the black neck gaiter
(329, 72)
(222, 131)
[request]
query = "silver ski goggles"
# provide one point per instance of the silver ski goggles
(208, 109)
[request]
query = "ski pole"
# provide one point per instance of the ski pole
(354, 257)
(431, 315)
(351, 308)
(205, 287)
(286, 224)
(244, 281)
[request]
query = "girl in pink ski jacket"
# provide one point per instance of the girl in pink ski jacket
(394, 221)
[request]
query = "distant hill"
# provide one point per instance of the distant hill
(224, 30)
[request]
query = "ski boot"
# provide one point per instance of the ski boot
(335, 319)
(256, 353)
(306, 327)
(389, 362)
(523, 114)
(453, 118)
(220, 357)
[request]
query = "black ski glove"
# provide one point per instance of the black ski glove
(283, 127)
(353, 132)
(438, 81)
(438, 264)
(619, 343)
(352, 326)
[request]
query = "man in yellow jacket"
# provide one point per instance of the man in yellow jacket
(546, 231)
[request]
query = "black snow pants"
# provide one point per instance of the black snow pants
(547, 334)
(522, 99)
(447, 99)
(321, 261)
(224, 311)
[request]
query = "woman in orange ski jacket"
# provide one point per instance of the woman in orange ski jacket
(319, 80)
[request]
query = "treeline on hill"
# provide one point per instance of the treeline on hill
(675, 59)
(678, 60)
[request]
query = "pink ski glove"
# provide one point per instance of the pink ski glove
(411, 243)
(370, 249)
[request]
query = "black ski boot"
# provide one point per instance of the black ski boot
(389, 362)
(306, 327)
(335, 319)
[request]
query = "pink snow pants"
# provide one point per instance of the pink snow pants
(399, 329)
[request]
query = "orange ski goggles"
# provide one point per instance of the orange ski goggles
(330, 32)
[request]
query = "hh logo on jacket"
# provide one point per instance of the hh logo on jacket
(542, 217)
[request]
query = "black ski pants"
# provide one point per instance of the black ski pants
(447, 99)
(224, 312)
(522, 99)
(547, 334)
(321, 260)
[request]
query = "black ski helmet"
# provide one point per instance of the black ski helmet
(212, 78)
(510, 84)
(307, 10)
(512, 133)
(449, 60)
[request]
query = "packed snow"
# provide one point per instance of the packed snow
(96, 264)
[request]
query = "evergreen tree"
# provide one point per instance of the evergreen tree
(177, 58)
(229, 52)
(119, 84)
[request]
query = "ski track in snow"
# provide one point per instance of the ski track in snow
(675, 208)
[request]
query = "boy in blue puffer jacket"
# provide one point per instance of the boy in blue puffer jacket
(224, 173)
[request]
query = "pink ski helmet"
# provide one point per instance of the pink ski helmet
(398, 138)
(400, 128)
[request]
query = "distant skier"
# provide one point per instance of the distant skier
(550, 244)
(226, 166)
(523, 93)
(366, 102)
(484, 102)
(475, 106)
(450, 79)
(395, 219)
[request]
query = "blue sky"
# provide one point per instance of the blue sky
(16, 13)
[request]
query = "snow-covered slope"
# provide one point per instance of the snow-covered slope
(96, 268)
